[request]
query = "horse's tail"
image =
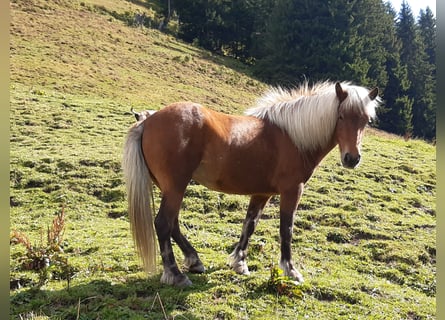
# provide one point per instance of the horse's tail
(139, 192)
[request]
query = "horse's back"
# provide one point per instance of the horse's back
(187, 125)
(234, 154)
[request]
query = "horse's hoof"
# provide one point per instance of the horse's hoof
(297, 276)
(180, 280)
(194, 265)
(291, 272)
(197, 268)
(240, 267)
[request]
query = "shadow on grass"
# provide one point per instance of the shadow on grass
(103, 299)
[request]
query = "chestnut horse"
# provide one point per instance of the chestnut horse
(272, 150)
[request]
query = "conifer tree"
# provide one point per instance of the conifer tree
(306, 39)
(396, 113)
(225, 27)
(369, 34)
(427, 35)
(427, 28)
(420, 74)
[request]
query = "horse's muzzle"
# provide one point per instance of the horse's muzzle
(349, 161)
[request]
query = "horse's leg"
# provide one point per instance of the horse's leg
(288, 204)
(191, 261)
(165, 224)
(238, 256)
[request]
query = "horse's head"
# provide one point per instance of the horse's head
(356, 108)
(141, 116)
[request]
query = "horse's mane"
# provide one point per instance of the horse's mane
(308, 114)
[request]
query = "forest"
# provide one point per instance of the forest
(364, 41)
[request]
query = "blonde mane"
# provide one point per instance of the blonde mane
(309, 114)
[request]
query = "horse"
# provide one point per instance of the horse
(273, 149)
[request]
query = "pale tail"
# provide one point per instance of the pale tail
(139, 188)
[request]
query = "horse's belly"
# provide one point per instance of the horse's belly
(239, 156)
(233, 180)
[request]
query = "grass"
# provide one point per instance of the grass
(364, 239)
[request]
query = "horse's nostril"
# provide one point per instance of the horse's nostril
(351, 161)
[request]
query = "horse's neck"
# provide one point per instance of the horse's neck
(318, 155)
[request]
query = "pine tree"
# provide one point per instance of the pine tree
(420, 74)
(427, 28)
(427, 35)
(406, 31)
(274, 64)
(192, 19)
(369, 33)
(396, 114)
(305, 39)
(260, 10)
(222, 26)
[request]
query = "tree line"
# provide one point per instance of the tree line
(365, 41)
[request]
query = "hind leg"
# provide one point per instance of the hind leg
(173, 144)
(191, 261)
(238, 256)
(165, 224)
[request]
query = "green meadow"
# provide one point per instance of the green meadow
(364, 239)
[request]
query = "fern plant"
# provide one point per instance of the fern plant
(47, 259)
(283, 285)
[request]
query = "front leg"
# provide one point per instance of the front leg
(288, 204)
(238, 256)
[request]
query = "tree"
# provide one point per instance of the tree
(166, 8)
(305, 39)
(222, 26)
(396, 114)
(369, 33)
(420, 73)
(427, 29)
(427, 35)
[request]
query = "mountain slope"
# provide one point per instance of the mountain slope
(129, 65)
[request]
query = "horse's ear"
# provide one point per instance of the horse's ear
(137, 115)
(341, 94)
(373, 93)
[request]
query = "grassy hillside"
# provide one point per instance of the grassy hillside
(364, 239)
